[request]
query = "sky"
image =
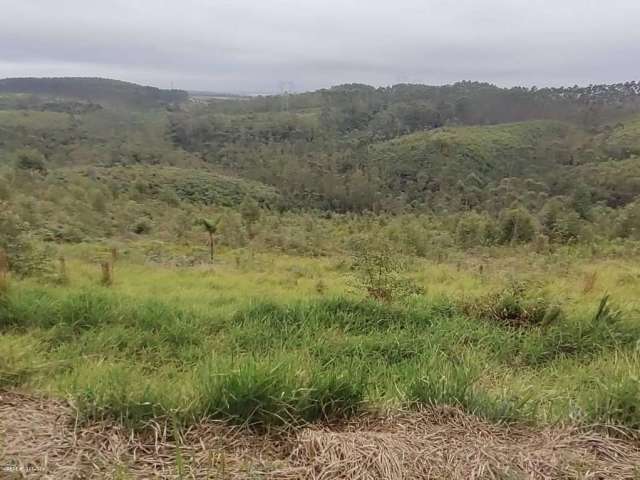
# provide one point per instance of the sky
(267, 46)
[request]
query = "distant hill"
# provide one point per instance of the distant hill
(350, 148)
(95, 90)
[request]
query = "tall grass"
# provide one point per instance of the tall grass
(277, 392)
(266, 363)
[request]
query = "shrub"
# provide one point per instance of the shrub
(19, 357)
(474, 229)
(514, 307)
(377, 270)
(4, 271)
(141, 227)
(452, 382)
(232, 230)
(24, 255)
(516, 226)
(31, 160)
(118, 391)
(332, 394)
(560, 223)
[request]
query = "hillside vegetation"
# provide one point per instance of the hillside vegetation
(566, 168)
(95, 90)
(275, 262)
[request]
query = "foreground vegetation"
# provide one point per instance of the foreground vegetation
(360, 248)
(271, 340)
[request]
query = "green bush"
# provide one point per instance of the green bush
(516, 226)
(514, 306)
(559, 222)
(377, 270)
(26, 256)
(30, 159)
(474, 229)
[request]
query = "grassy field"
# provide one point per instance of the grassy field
(266, 339)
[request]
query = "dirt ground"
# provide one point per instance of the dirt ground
(41, 438)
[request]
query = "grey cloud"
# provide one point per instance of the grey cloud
(246, 45)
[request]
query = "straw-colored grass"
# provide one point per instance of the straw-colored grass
(41, 438)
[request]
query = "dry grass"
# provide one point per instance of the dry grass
(447, 444)
(589, 282)
(107, 273)
(4, 270)
(433, 444)
(44, 440)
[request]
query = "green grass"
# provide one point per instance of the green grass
(188, 343)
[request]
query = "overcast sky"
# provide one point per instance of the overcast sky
(269, 45)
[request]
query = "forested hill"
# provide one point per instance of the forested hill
(563, 153)
(96, 90)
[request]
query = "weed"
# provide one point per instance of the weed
(321, 287)
(616, 401)
(589, 282)
(514, 307)
(444, 383)
(605, 314)
(107, 274)
(377, 270)
(263, 393)
(62, 277)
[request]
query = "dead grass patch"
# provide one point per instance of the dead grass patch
(439, 443)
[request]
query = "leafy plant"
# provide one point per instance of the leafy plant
(514, 306)
(378, 270)
(605, 314)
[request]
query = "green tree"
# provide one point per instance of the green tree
(516, 226)
(211, 227)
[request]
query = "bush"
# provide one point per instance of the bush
(516, 226)
(444, 383)
(514, 307)
(560, 223)
(377, 270)
(19, 358)
(474, 229)
(121, 392)
(141, 227)
(232, 231)
(31, 160)
(347, 314)
(25, 256)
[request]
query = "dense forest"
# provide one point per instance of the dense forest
(468, 163)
